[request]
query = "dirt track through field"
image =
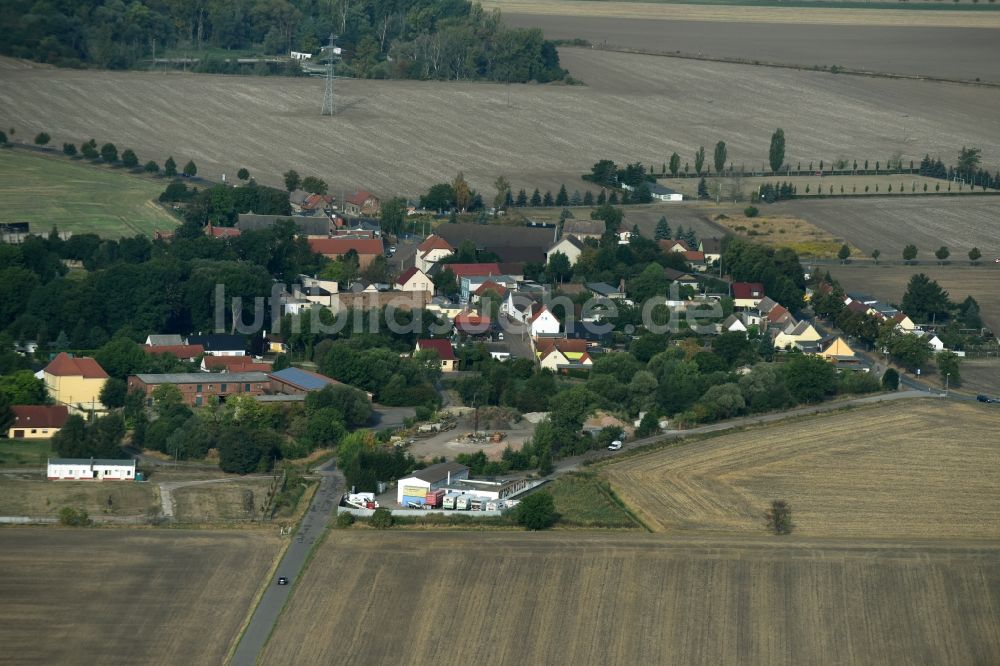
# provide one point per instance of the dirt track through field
(572, 598)
(924, 469)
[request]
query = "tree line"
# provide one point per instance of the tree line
(423, 39)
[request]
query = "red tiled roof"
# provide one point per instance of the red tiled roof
(314, 200)
(442, 347)
(359, 197)
(490, 284)
(776, 313)
(407, 274)
(748, 290)
(65, 365)
(178, 351)
(434, 242)
(564, 345)
(225, 232)
(694, 255)
(668, 245)
(236, 364)
(341, 246)
(471, 270)
(39, 416)
(536, 311)
(857, 306)
(470, 322)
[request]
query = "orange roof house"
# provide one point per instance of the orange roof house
(362, 203)
(335, 248)
(75, 382)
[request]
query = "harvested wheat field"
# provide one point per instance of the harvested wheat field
(744, 12)
(958, 278)
(112, 596)
(951, 45)
(928, 469)
(399, 137)
(891, 223)
(519, 598)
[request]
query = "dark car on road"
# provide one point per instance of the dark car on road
(282, 580)
(984, 398)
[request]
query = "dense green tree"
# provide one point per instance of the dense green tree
(562, 198)
(675, 164)
(190, 170)
(439, 197)
(699, 159)
(968, 161)
(42, 139)
(942, 254)
(109, 153)
(890, 380)
(101, 438)
(925, 300)
(151, 167)
(974, 256)
(949, 368)
(537, 511)
(113, 393)
(392, 215)
(69, 149)
(243, 174)
(662, 231)
(129, 159)
(702, 189)
(776, 154)
(909, 253)
(314, 185)
(23, 388)
(809, 378)
(720, 157)
(844, 253)
(170, 167)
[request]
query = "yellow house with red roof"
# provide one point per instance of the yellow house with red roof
(75, 382)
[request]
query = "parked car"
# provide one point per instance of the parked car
(282, 580)
(615, 445)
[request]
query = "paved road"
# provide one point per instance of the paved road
(323, 506)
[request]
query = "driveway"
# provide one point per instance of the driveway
(322, 508)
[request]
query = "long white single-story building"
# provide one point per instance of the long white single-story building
(91, 469)
(414, 488)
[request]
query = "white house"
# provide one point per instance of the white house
(571, 246)
(414, 279)
(432, 250)
(936, 344)
(415, 488)
(661, 193)
(733, 324)
(542, 321)
(91, 469)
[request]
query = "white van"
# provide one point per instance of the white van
(615, 445)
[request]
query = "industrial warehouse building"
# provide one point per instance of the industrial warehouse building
(91, 469)
(413, 489)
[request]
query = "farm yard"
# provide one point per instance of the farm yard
(78, 197)
(399, 137)
(114, 596)
(888, 283)
(926, 470)
(914, 44)
(572, 598)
